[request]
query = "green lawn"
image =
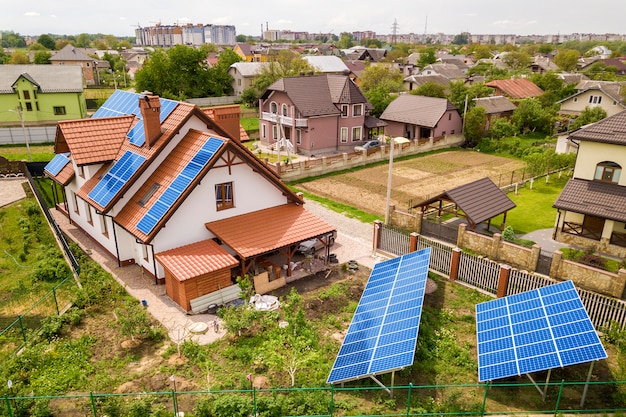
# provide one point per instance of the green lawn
(39, 152)
(534, 209)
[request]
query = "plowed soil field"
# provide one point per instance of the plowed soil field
(413, 180)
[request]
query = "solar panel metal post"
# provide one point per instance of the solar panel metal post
(582, 400)
(382, 385)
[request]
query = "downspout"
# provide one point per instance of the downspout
(117, 250)
(156, 279)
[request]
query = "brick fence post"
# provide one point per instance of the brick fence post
(454, 264)
(460, 234)
(557, 258)
(377, 229)
(495, 246)
(503, 280)
(534, 257)
(413, 242)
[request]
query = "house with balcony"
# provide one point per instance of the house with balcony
(166, 186)
(592, 206)
(316, 114)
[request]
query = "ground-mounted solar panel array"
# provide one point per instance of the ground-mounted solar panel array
(383, 332)
(58, 163)
(534, 331)
(113, 181)
(122, 103)
(179, 185)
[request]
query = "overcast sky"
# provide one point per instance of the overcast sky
(117, 17)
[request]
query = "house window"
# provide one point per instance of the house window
(144, 252)
(224, 196)
(273, 108)
(344, 110)
(75, 201)
(595, 99)
(357, 110)
(298, 136)
(88, 211)
(344, 135)
(26, 95)
(81, 171)
(356, 133)
(263, 131)
(275, 132)
(449, 116)
(608, 171)
(104, 227)
(59, 110)
(285, 110)
(575, 99)
(29, 106)
(239, 81)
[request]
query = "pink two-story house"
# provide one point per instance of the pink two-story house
(315, 114)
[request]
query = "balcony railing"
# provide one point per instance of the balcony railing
(284, 120)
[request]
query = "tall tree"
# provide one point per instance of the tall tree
(47, 41)
(42, 57)
(285, 64)
(530, 116)
(567, 59)
(475, 120)
(589, 115)
(427, 57)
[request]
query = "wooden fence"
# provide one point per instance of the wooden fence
(492, 277)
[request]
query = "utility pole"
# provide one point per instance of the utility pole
(394, 30)
(389, 176)
(19, 112)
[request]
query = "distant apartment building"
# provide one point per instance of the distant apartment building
(367, 34)
(285, 35)
(192, 35)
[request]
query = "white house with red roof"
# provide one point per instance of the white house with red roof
(153, 180)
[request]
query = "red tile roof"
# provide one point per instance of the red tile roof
(196, 259)
(94, 140)
(516, 88)
(164, 175)
(266, 230)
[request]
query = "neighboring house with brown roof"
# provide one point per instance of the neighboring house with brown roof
(590, 93)
(618, 63)
(41, 93)
(361, 53)
(355, 68)
(592, 205)
(421, 117)
(542, 64)
(314, 114)
(496, 107)
(244, 74)
(515, 88)
(153, 181)
(71, 55)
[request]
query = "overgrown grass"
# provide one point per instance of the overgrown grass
(27, 248)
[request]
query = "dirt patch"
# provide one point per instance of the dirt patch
(413, 180)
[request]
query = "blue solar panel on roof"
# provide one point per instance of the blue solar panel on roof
(386, 321)
(122, 103)
(58, 163)
(534, 331)
(113, 181)
(178, 186)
